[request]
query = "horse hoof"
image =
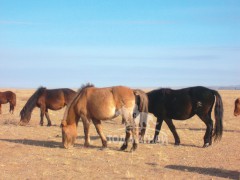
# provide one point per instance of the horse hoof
(103, 148)
(49, 125)
(177, 143)
(67, 146)
(153, 142)
(206, 145)
(86, 145)
(21, 123)
(104, 144)
(134, 147)
(123, 147)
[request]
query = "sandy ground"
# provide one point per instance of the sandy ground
(35, 152)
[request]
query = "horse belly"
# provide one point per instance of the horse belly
(103, 109)
(55, 105)
(3, 101)
(181, 111)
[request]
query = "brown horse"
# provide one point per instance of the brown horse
(237, 107)
(96, 104)
(8, 96)
(53, 99)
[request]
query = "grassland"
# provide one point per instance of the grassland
(35, 152)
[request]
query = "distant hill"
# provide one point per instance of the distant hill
(237, 87)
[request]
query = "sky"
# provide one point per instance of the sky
(136, 43)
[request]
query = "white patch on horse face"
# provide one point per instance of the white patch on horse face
(199, 104)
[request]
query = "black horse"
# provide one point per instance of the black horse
(182, 104)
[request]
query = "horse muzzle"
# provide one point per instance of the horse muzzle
(22, 123)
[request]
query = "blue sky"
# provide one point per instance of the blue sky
(137, 43)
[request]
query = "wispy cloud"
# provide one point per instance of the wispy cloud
(15, 22)
(148, 22)
(131, 22)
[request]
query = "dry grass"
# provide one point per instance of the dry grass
(35, 152)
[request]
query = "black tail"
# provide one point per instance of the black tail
(218, 112)
(142, 102)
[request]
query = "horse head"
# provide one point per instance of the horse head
(69, 134)
(237, 107)
(25, 117)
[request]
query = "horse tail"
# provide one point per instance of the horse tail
(11, 96)
(26, 111)
(13, 102)
(142, 103)
(14, 99)
(218, 112)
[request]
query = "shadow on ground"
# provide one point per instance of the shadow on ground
(222, 173)
(48, 144)
(204, 129)
(52, 144)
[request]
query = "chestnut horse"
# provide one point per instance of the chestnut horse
(182, 104)
(237, 107)
(8, 96)
(53, 99)
(96, 104)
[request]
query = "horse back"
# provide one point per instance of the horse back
(103, 103)
(8, 96)
(53, 99)
(180, 104)
(123, 96)
(69, 94)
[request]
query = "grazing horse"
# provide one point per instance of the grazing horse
(96, 104)
(8, 96)
(237, 107)
(53, 99)
(182, 104)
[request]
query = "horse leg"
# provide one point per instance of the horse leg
(135, 134)
(208, 135)
(86, 126)
(173, 130)
(0, 108)
(42, 112)
(98, 126)
(131, 127)
(125, 144)
(48, 118)
(157, 130)
(12, 108)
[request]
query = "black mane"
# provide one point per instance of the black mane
(31, 103)
(84, 86)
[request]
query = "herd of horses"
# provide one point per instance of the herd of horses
(92, 104)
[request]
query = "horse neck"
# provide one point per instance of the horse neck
(70, 117)
(31, 104)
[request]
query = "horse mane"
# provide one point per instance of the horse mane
(31, 103)
(165, 90)
(84, 86)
